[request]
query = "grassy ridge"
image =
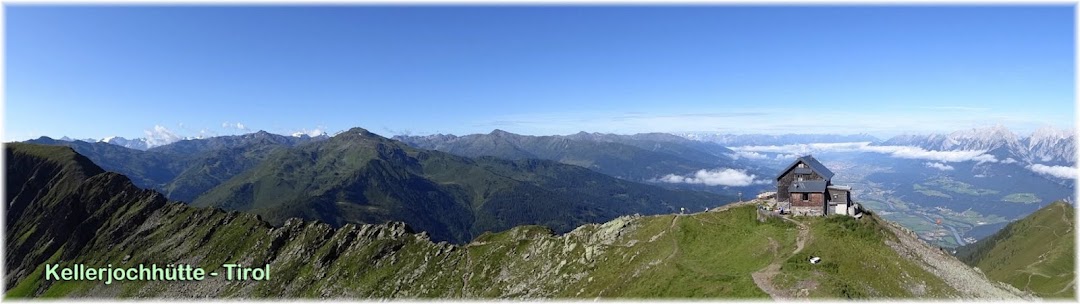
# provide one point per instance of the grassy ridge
(1034, 254)
(857, 264)
(631, 257)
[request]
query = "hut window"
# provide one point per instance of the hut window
(806, 196)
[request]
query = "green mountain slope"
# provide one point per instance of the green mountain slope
(1034, 254)
(78, 214)
(873, 258)
(56, 198)
(209, 162)
(360, 177)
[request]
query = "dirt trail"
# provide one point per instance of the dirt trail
(674, 239)
(764, 277)
(1032, 269)
(1067, 287)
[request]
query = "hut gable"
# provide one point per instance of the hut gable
(811, 165)
(803, 170)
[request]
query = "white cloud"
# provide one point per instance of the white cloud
(942, 156)
(748, 155)
(1009, 160)
(318, 131)
(238, 126)
(907, 152)
(1055, 171)
(940, 166)
(718, 177)
(160, 135)
(783, 156)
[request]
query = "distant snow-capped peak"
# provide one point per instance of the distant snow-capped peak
(996, 137)
(138, 143)
(1046, 144)
(1049, 144)
(65, 138)
(1050, 134)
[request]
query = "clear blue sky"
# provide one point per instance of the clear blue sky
(91, 72)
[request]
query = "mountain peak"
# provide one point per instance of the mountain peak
(359, 130)
(995, 130)
(986, 137)
(500, 132)
(138, 143)
(1051, 132)
(43, 139)
(357, 133)
(59, 155)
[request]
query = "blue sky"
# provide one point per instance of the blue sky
(91, 72)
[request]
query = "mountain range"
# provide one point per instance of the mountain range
(228, 171)
(66, 210)
(1046, 145)
(145, 144)
(184, 169)
(359, 177)
(640, 158)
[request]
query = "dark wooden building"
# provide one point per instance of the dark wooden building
(806, 188)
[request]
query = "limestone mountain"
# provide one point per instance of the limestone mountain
(1046, 145)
